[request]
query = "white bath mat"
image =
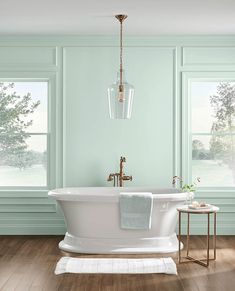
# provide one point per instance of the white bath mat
(116, 266)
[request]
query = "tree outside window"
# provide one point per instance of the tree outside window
(23, 133)
(213, 132)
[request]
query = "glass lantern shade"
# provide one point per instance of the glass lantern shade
(120, 97)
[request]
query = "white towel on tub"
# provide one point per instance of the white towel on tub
(136, 210)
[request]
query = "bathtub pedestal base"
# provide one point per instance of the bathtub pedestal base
(119, 245)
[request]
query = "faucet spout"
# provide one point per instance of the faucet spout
(127, 178)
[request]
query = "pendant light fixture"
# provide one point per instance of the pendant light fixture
(120, 94)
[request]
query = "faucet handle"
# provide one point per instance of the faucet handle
(110, 177)
(123, 159)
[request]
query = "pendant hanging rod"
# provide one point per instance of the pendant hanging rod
(121, 18)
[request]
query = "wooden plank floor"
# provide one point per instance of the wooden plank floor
(28, 263)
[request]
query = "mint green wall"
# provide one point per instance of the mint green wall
(86, 144)
(93, 142)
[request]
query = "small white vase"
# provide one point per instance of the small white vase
(189, 198)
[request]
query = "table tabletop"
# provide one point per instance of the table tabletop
(186, 209)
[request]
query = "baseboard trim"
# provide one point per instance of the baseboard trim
(33, 230)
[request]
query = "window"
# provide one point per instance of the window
(23, 133)
(211, 131)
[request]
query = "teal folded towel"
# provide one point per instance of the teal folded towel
(136, 210)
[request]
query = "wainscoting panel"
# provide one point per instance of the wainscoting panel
(28, 56)
(93, 143)
(208, 56)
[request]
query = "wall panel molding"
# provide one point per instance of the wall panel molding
(208, 56)
(28, 56)
(27, 229)
(27, 208)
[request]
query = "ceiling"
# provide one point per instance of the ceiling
(95, 17)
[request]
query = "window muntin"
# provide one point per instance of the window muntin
(23, 149)
(213, 132)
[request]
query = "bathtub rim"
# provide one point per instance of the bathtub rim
(111, 194)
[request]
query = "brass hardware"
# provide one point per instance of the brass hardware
(127, 178)
(204, 261)
(118, 178)
(110, 177)
(188, 236)
(121, 17)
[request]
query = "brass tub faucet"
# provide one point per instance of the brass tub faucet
(119, 178)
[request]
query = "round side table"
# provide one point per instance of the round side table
(207, 211)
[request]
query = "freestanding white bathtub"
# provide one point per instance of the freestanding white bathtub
(93, 221)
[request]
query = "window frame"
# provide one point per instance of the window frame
(187, 79)
(50, 78)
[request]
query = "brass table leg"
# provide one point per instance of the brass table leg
(214, 238)
(179, 238)
(188, 236)
(208, 239)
